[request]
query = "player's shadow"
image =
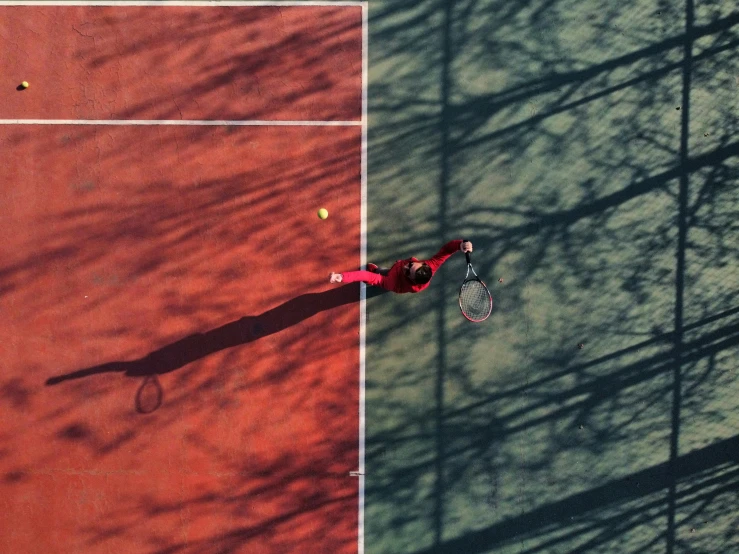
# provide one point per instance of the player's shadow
(194, 347)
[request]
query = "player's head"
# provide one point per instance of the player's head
(418, 272)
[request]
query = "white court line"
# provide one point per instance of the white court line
(196, 3)
(363, 286)
(237, 123)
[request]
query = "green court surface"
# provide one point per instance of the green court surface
(590, 151)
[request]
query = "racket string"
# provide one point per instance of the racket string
(474, 300)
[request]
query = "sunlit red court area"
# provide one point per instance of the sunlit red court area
(177, 373)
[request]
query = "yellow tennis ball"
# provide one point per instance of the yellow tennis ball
(323, 213)
(24, 84)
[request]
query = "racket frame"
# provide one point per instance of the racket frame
(467, 279)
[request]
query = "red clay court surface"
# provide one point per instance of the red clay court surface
(229, 63)
(184, 258)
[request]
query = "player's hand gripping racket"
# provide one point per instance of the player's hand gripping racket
(475, 299)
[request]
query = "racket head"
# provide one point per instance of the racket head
(475, 300)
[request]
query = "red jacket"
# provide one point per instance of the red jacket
(396, 280)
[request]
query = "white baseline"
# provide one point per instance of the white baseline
(237, 123)
(195, 3)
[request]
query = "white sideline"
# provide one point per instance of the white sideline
(363, 287)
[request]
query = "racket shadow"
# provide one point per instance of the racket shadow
(199, 345)
(149, 396)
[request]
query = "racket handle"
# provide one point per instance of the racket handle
(466, 254)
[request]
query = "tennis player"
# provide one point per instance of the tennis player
(411, 275)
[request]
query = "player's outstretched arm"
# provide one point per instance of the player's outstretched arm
(354, 276)
(447, 250)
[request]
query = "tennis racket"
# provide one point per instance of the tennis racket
(475, 299)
